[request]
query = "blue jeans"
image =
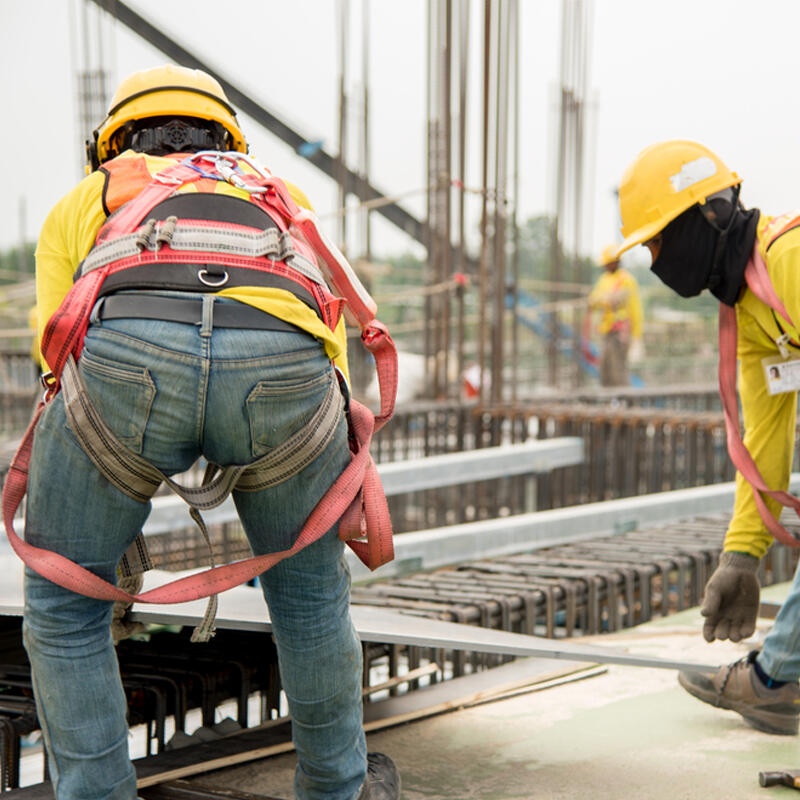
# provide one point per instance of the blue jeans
(174, 392)
(780, 654)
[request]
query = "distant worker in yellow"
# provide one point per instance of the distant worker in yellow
(680, 200)
(616, 297)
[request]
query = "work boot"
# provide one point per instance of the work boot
(738, 688)
(383, 779)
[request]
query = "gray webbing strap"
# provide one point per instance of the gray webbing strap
(270, 242)
(139, 479)
(136, 558)
(206, 629)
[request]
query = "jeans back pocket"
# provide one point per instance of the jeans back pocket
(278, 408)
(122, 394)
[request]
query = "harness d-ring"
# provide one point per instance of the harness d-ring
(213, 284)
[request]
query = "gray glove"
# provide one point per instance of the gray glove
(730, 604)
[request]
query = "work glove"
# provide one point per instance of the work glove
(730, 604)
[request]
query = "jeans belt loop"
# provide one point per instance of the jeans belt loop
(207, 323)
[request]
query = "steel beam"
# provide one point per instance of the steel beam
(452, 469)
(398, 477)
(240, 609)
(439, 547)
(379, 625)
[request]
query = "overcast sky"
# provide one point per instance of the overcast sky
(720, 71)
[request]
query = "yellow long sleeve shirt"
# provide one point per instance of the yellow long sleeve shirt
(616, 296)
(70, 229)
(769, 420)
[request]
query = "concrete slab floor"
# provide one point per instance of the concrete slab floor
(629, 733)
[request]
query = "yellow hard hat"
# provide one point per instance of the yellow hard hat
(609, 255)
(663, 181)
(169, 90)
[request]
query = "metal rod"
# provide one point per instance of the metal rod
(341, 172)
(365, 149)
(500, 182)
(447, 248)
(463, 54)
(484, 253)
(514, 46)
(431, 193)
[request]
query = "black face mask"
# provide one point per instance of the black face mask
(697, 255)
(686, 255)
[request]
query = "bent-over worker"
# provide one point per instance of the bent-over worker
(226, 368)
(680, 200)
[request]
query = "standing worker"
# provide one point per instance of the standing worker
(680, 201)
(229, 357)
(616, 297)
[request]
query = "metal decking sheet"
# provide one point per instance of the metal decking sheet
(243, 608)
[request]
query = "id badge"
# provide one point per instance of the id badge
(781, 375)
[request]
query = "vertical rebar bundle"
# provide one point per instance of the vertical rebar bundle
(449, 151)
(342, 177)
(92, 76)
(568, 215)
(441, 55)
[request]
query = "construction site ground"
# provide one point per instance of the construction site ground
(624, 732)
(562, 729)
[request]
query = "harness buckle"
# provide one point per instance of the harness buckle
(167, 180)
(50, 384)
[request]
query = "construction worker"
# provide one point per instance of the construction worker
(616, 297)
(181, 363)
(680, 200)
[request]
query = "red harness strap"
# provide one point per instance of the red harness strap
(368, 515)
(66, 329)
(757, 279)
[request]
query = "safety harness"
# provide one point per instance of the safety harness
(758, 281)
(143, 245)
